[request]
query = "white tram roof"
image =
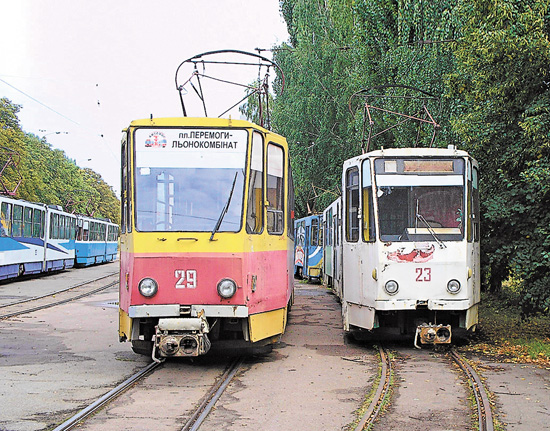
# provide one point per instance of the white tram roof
(409, 152)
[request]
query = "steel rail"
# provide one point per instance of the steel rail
(203, 410)
(59, 302)
(381, 394)
(34, 298)
(484, 413)
(92, 408)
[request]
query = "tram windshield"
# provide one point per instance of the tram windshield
(421, 213)
(186, 185)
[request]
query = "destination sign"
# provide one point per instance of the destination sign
(190, 148)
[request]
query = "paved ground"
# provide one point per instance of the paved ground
(311, 380)
(56, 361)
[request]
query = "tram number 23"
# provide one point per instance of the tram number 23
(423, 274)
(187, 278)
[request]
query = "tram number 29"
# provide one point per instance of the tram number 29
(423, 274)
(187, 278)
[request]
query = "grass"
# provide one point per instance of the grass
(504, 335)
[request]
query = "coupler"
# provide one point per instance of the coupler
(181, 337)
(432, 334)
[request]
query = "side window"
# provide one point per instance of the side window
(37, 218)
(255, 208)
(475, 203)
(27, 229)
(290, 210)
(275, 189)
(314, 231)
(85, 230)
(5, 220)
(62, 227)
(17, 221)
(369, 232)
(123, 182)
(352, 205)
(55, 226)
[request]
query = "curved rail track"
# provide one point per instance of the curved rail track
(484, 414)
(55, 298)
(381, 394)
(483, 406)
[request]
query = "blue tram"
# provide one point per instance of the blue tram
(308, 249)
(37, 238)
(34, 238)
(96, 241)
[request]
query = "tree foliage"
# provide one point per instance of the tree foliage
(501, 84)
(48, 175)
(487, 61)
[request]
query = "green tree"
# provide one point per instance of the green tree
(48, 175)
(501, 86)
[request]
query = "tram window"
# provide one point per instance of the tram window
(405, 212)
(352, 204)
(275, 189)
(27, 227)
(369, 227)
(124, 191)
(5, 221)
(55, 226)
(314, 231)
(330, 227)
(37, 223)
(291, 203)
(62, 227)
(86, 231)
(255, 209)
(475, 204)
(17, 221)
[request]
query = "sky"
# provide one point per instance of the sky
(82, 70)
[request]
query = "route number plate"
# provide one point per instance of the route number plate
(186, 278)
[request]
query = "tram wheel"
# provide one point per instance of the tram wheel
(21, 270)
(142, 347)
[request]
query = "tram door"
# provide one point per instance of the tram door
(306, 253)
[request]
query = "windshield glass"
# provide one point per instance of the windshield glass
(417, 213)
(184, 179)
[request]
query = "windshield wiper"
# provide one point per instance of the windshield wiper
(430, 229)
(225, 208)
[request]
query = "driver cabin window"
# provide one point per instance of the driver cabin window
(275, 189)
(255, 209)
(352, 204)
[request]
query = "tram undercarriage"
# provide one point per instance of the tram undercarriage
(423, 325)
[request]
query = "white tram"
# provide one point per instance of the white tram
(409, 244)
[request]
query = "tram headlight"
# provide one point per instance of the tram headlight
(391, 287)
(453, 286)
(227, 288)
(148, 287)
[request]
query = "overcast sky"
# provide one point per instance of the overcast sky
(86, 69)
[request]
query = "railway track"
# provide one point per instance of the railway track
(197, 417)
(96, 405)
(202, 411)
(381, 394)
(56, 298)
(484, 414)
